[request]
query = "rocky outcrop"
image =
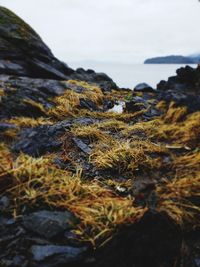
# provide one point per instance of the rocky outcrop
(183, 89)
(23, 53)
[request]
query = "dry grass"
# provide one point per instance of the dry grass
(68, 103)
(185, 133)
(175, 114)
(37, 181)
(65, 105)
(112, 125)
(128, 156)
(10, 134)
(5, 159)
(91, 132)
(176, 198)
(90, 91)
(29, 122)
(125, 117)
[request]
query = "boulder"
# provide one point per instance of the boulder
(143, 87)
(49, 224)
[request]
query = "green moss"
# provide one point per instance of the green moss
(22, 29)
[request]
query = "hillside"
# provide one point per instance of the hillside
(82, 185)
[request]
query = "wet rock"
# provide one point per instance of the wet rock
(82, 146)
(42, 139)
(39, 140)
(143, 87)
(49, 223)
(57, 255)
(88, 104)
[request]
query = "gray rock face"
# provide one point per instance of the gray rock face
(65, 254)
(48, 223)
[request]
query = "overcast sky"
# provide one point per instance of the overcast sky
(113, 30)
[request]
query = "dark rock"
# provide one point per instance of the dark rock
(187, 79)
(144, 87)
(57, 254)
(42, 139)
(181, 98)
(88, 104)
(82, 146)
(48, 223)
(108, 104)
(154, 241)
(136, 104)
(6, 126)
(4, 203)
(39, 140)
(23, 53)
(22, 92)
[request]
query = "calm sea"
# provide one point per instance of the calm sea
(128, 75)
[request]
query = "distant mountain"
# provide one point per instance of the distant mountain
(174, 59)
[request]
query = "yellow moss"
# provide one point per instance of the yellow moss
(112, 125)
(5, 159)
(126, 117)
(91, 91)
(161, 105)
(175, 114)
(91, 131)
(10, 134)
(35, 104)
(100, 211)
(127, 156)
(29, 122)
(65, 105)
(175, 197)
(185, 133)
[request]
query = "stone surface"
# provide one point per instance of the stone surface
(49, 223)
(64, 254)
(143, 87)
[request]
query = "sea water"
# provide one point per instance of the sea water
(129, 75)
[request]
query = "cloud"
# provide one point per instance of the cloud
(113, 30)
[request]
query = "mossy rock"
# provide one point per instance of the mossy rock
(13, 26)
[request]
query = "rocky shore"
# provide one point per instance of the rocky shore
(83, 185)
